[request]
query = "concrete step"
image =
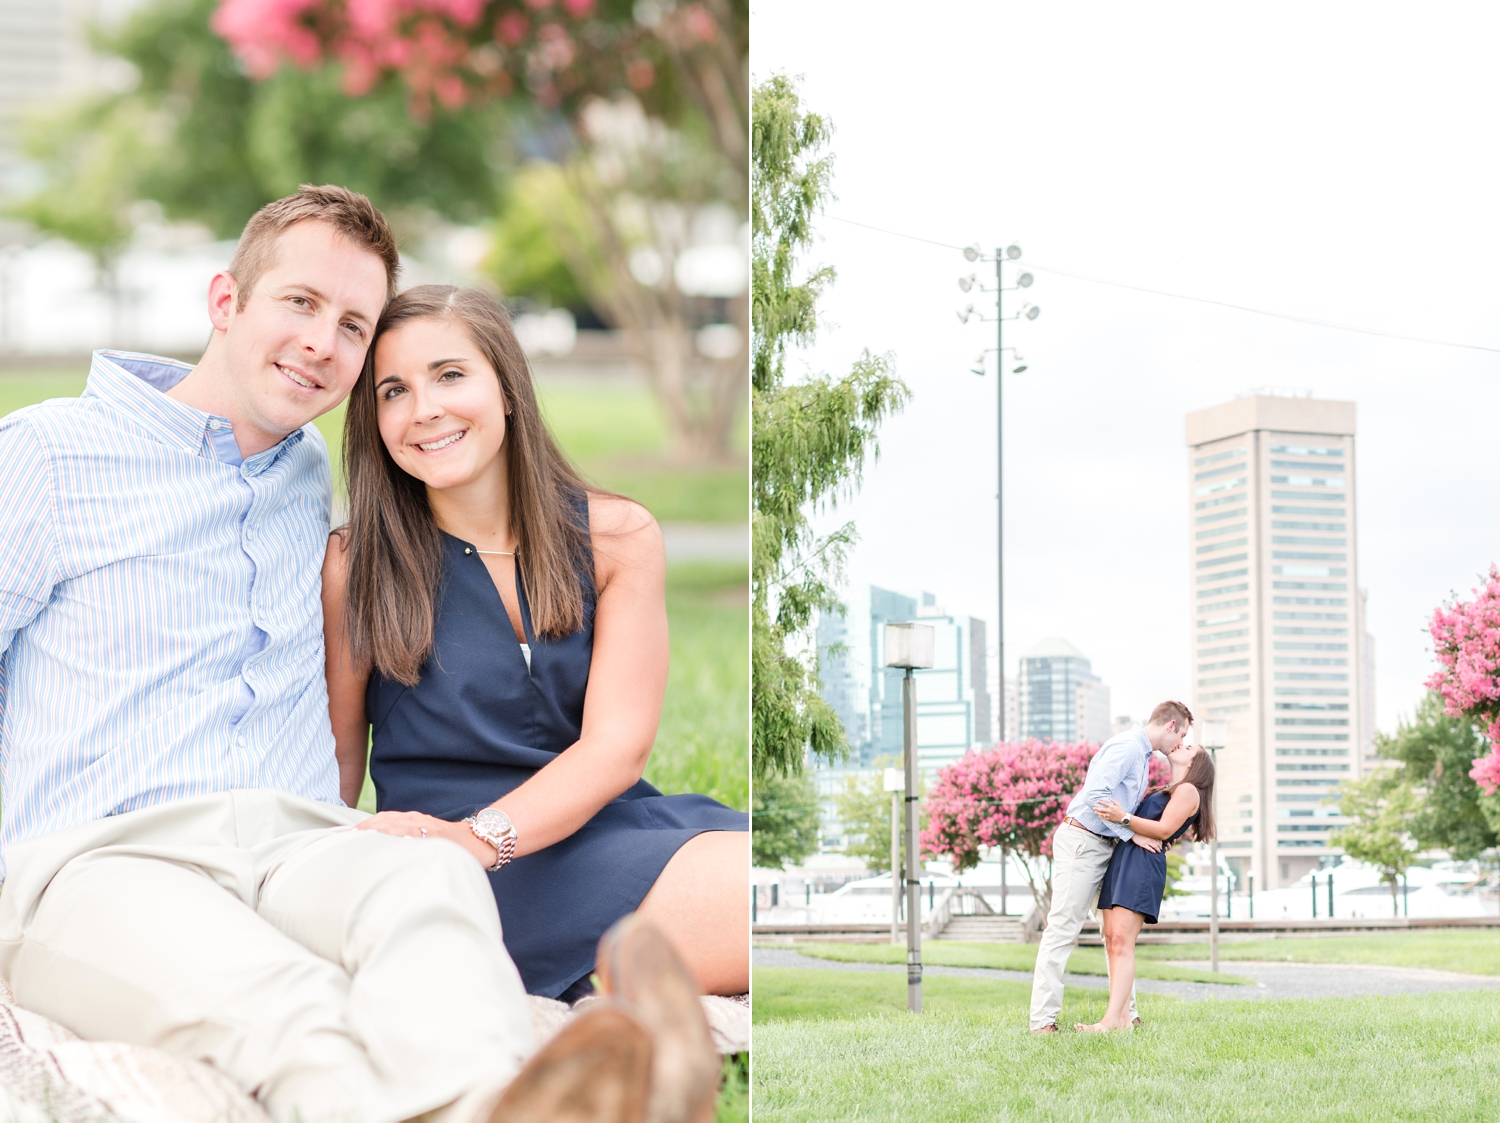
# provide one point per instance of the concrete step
(983, 929)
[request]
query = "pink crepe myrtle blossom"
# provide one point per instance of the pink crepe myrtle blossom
(455, 51)
(1466, 643)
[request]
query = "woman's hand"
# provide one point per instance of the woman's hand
(1151, 844)
(1109, 810)
(413, 824)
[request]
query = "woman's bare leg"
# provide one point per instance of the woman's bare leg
(1121, 927)
(702, 902)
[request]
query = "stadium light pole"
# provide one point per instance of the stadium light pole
(910, 647)
(1029, 312)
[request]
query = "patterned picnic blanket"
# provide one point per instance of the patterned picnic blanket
(50, 1075)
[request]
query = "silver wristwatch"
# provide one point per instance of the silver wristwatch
(1124, 822)
(494, 826)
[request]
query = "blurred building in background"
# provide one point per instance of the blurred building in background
(1279, 649)
(1060, 698)
(954, 710)
(954, 706)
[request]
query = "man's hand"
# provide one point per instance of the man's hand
(1151, 844)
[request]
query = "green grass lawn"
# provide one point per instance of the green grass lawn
(1474, 952)
(839, 1045)
(1009, 957)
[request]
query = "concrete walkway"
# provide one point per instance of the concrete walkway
(1275, 980)
(706, 541)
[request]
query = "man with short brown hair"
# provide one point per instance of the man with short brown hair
(180, 869)
(1083, 843)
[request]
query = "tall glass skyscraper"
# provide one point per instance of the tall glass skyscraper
(1061, 699)
(953, 702)
(1279, 650)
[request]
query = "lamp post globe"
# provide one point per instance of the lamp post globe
(1013, 252)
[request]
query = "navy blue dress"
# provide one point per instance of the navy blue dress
(479, 724)
(1137, 879)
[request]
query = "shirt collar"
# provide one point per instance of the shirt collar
(138, 384)
(1140, 732)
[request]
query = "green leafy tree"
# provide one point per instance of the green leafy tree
(1384, 808)
(1436, 752)
(864, 808)
(784, 817)
(810, 437)
(1177, 869)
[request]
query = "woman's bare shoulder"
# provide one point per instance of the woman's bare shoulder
(616, 517)
(1187, 795)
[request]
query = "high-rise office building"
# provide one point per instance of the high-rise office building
(1278, 638)
(1061, 699)
(954, 711)
(953, 701)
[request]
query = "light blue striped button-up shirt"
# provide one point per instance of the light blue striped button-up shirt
(160, 605)
(1119, 772)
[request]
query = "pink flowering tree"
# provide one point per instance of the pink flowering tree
(1010, 798)
(557, 53)
(1466, 642)
(657, 95)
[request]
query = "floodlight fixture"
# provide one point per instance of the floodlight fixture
(1012, 252)
(964, 316)
(1024, 280)
(1033, 312)
(1020, 369)
(972, 253)
(966, 283)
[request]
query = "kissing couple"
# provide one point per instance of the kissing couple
(1109, 853)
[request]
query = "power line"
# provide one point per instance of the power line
(1195, 299)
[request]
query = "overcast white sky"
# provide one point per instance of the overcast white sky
(1336, 161)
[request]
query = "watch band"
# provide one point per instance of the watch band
(505, 845)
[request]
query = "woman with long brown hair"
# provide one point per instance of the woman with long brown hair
(1136, 880)
(497, 635)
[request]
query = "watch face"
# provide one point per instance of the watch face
(492, 821)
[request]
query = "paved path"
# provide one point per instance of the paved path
(1276, 980)
(706, 541)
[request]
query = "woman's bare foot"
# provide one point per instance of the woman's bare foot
(1100, 1027)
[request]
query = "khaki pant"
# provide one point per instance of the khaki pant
(1079, 860)
(335, 974)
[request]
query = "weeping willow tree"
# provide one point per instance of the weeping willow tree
(811, 436)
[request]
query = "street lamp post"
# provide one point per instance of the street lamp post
(894, 783)
(1214, 736)
(910, 646)
(1030, 312)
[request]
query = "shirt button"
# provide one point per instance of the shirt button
(240, 740)
(213, 424)
(250, 533)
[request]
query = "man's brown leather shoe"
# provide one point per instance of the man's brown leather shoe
(1136, 1022)
(597, 1070)
(1049, 1028)
(639, 969)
